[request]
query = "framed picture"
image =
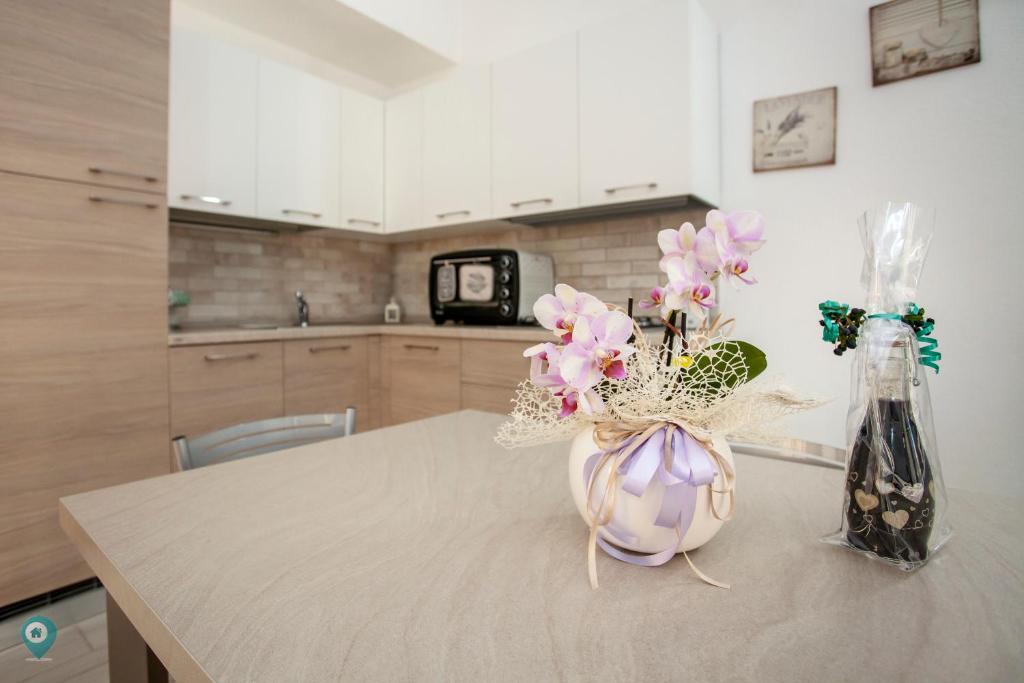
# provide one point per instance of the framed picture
(916, 37)
(793, 131)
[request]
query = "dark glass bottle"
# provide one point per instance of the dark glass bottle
(890, 496)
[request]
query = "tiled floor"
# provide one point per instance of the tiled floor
(79, 654)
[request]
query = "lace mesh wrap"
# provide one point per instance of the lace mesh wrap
(711, 394)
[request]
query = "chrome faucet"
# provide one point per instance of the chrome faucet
(303, 309)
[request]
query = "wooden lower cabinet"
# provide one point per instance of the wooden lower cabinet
(420, 376)
(221, 385)
(83, 373)
(327, 376)
(388, 379)
(491, 371)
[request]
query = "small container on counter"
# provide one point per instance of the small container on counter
(392, 312)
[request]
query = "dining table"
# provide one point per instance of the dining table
(425, 551)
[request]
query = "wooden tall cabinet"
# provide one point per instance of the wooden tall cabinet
(83, 268)
(83, 90)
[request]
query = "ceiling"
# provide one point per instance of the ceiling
(335, 33)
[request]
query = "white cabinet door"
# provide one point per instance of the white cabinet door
(648, 81)
(457, 147)
(297, 151)
(212, 136)
(362, 162)
(403, 162)
(535, 130)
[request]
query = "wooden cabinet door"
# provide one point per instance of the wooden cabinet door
(535, 130)
(297, 152)
(212, 135)
(636, 127)
(83, 378)
(491, 371)
(222, 385)
(457, 148)
(362, 162)
(421, 377)
(328, 376)
(83, 85)
(403, 162)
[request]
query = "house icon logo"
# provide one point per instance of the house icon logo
(38, 633)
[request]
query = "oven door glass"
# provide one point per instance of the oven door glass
(476, 283)
(446, 283)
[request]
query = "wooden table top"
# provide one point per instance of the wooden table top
(426, 552)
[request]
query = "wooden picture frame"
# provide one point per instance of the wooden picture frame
(911, 38)
(795, 131)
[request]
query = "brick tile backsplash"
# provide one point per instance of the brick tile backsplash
(234, 277)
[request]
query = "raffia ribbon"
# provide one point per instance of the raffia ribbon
(620, 444)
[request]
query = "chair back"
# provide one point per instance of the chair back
(263, 436)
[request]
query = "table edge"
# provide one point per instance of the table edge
(175, 657)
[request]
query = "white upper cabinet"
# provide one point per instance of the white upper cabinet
(457, 147)
(362, 162)
(535, 130)
(297, 147)
(212, 136)
(403, 162)
(649, 106)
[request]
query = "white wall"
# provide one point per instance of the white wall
(952, 140)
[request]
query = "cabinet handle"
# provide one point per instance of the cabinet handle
(460, 212)
(422, 347)
(125, 202)
(364, 221)
(337, 347)
(207, 199)
(213, 357)
(124, 174)
(289, 212)
(541, 200)
(613, 190)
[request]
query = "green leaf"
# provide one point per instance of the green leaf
(712, 358)
(757, 362)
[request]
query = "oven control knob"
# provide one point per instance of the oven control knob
(505, 261)
(505, 309)
(504, 277)
(504, 293)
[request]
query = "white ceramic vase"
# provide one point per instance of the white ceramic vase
(636, 515)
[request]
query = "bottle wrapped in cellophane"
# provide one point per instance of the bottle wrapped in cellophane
(894, 502)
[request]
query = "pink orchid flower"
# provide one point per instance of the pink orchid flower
(545, 372)
(687, 240)
(543, 363)
(657, 300)
(737, 232)
(559, 312)
(689, 287)
(598, 350)
(734, 268)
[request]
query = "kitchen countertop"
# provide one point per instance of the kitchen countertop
(425, 551)
(236, 335)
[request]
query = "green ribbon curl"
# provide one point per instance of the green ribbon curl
(830, 310)
(928, 347)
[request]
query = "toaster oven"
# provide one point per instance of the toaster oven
(488, 286)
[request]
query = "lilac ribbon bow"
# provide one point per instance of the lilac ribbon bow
(690, 467)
